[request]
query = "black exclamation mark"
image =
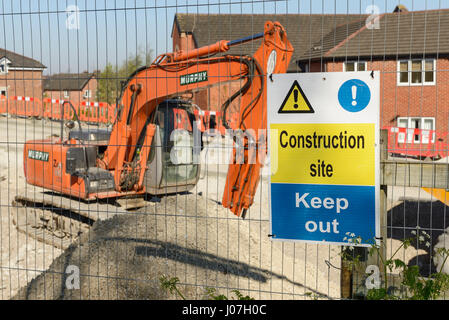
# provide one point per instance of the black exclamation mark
(295, 93)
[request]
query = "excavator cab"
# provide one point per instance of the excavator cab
(173, 164)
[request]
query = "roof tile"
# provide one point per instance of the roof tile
(20, 61)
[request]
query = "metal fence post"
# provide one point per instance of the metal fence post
(352, 279)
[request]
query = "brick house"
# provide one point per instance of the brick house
(410, 49)
(192, 31)
(71, 86)
(20, 75)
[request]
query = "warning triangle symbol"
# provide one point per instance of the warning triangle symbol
(296, 101)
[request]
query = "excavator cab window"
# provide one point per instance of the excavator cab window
(174, 120)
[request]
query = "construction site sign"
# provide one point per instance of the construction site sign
(324, 151)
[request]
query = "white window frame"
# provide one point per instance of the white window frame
(423, 72)
(356, 65)
(87, 93)
(410, 136)
(4, 62)
(66, 94)
(4, 89)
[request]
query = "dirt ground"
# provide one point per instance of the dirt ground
(22, 257)
(203, 244)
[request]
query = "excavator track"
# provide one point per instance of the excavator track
(58, 220)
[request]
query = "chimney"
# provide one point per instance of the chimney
(400, 9)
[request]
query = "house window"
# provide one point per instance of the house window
(3, 68)
(411, 123)
(351, 66)
(87, 94)
(416, 72)
(66, 94)
(4, 91)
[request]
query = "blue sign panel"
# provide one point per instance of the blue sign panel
(323, 212)
(354, 95)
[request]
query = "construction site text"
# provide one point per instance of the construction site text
(316, 141)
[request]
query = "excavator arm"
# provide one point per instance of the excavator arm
(176, 73)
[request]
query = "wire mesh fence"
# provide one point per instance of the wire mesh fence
(124, 123)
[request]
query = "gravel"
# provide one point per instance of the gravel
(124, 257)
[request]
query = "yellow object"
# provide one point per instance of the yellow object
(338, 154)
(440, 194)
(296, 101)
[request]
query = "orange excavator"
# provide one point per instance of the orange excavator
(135, 157)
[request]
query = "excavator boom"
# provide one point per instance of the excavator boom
(181, 72)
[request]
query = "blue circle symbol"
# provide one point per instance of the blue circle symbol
(354, 95)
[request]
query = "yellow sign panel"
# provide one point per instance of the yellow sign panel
(296, 101)
(340, 154)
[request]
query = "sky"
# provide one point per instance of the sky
(84, 35)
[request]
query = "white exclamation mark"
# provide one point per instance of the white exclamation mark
(354, 95)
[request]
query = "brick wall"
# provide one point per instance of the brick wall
(182, 41)
(212, 98)
(396, 101)
(410, 101)
(185, 42)
(22, 83)
(76, 96)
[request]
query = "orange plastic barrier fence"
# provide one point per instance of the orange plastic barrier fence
(95, 112)
(52, 108)
(3, 104)
(418, 142)
(23, 106)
